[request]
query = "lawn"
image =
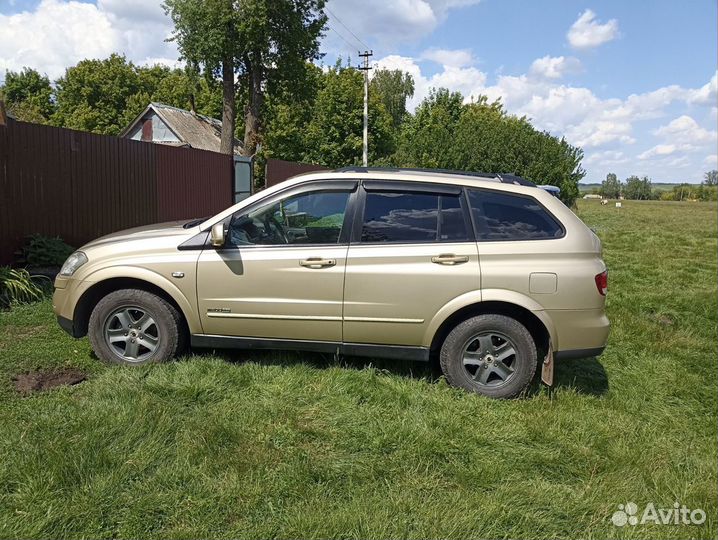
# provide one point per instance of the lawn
(292, 445)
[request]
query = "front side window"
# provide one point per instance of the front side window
(503, 216)
(413, 217)
(307, 218)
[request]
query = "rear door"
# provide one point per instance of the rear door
(281, 273)
(412, 251)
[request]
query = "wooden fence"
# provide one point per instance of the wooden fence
(79, 186)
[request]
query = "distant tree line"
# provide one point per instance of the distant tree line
(636, 188)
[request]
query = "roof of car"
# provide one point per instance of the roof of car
(504, 178)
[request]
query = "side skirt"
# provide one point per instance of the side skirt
(397, 352)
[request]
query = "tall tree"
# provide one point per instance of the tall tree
(447, 133)
(611, 187)
(393, 87)
(28, 95)
(262, 42)
(334, 133)
(636, 188)
(711, 178)
(94, 95)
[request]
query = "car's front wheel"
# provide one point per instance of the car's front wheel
(493, 355)
(135, 327)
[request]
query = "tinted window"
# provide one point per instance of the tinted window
(308, 218)
(413, 217)
(501, 216)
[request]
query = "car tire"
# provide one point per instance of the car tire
(135, 327)
(491, 355)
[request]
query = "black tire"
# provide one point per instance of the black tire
(135, 343)
(506, 375)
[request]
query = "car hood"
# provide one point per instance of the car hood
(146, 232)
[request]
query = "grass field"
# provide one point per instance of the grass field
(297, 446)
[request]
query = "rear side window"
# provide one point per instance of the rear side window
(503, 216)
(413, 217)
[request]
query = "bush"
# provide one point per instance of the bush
(43, 251)
(17, 287)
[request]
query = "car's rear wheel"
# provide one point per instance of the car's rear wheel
(135, 327)
(492, 355)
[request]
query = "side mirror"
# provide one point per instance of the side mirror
(216, 235)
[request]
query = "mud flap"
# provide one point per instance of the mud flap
(547, 367)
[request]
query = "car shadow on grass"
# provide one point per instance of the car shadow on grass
(584, 376)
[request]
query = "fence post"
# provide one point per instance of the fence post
(3, 114)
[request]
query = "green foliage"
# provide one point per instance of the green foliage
(611, 187)
(393, 87)
(637, 188)
(28, 95)
(104, 96)
(43, 251)
(711, 178)
(17, 287)
(266, 42)
(446, 133)
(692, 192)
(334, 132)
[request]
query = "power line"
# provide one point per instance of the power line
(347, 28)
(352, 46)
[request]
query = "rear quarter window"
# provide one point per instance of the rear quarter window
(510, 217)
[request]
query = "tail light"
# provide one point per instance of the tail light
(602, 282)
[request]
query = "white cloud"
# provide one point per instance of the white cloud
(554, 67)
(59, 33)
(686, 130)
(658, 150)
(587, 32)
(706, 94)
(449, 57)
(711, 160)
(385, 23)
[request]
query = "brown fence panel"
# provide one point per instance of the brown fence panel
(79, 186)
(278, 170)
(192, 183)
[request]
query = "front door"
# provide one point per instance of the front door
(281, 273)
(413, 252)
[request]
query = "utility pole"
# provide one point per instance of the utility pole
(365, 68)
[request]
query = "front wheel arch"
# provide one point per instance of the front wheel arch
(92, 296)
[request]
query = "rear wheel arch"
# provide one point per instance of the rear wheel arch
(536, 327)
(92, 296)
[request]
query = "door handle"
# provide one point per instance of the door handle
(317, 262)
(450, 259)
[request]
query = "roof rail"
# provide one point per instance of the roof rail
(504, 178)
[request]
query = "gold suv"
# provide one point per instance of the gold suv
(488, 273)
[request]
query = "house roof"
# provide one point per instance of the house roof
(194, 130)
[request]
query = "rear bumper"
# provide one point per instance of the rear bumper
(580, 333)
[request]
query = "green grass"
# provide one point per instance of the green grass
(293, 445)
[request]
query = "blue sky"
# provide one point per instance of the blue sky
(631, 82)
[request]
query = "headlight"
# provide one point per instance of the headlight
(72, 263)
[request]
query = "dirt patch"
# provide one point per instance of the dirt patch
(39, 381)
(664, 320)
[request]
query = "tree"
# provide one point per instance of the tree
(637, 188)
(446, 133)
(611, 187)
(28, 95)
(711, 178)
(94, 95)
(393, 87)
(334, 132)
(264, 42)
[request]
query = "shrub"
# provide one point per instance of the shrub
(42, 251)
(17, 287)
